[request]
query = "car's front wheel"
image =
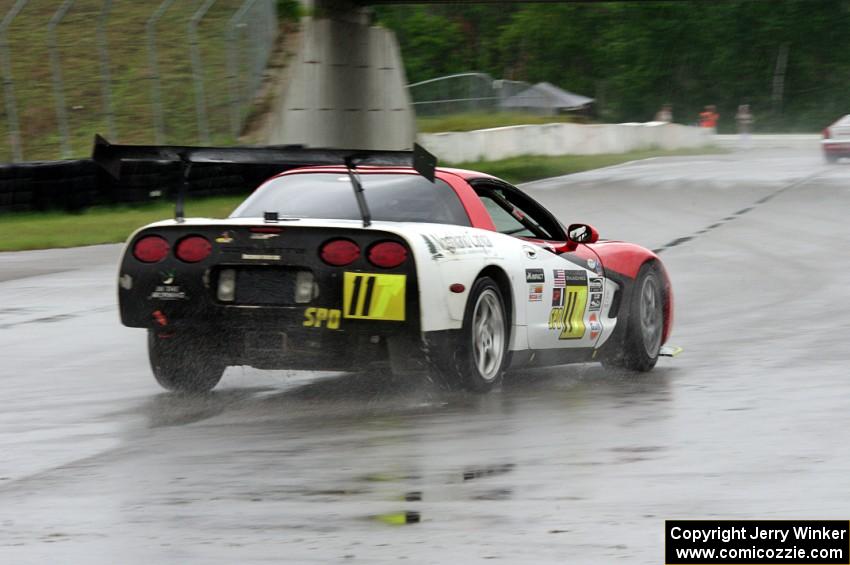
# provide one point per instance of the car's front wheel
(184, 363)
(645, 323)
(478, 360)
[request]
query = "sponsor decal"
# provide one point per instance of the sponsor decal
(458, 244)
(374, 296)
(535, 275)
(595, 301)
(557, 297)
(563, 277)
(264, 236)
(595, 285)
(432, 248)
(126, 282)
(319, 317)
(560, 280)
(255, 257)
(576, 277)
(595, 326)
(569, 300)
(168, 292)
(591, 264)
(225, 237)
(535, 293)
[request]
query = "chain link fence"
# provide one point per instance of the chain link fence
(160, 71)
(469, 93)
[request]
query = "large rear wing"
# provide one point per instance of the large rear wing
(111, 157)
(269, 160)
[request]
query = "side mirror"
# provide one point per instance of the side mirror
(582, 233)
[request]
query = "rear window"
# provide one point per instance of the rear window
(391, 197)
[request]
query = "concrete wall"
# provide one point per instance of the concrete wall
(800, 141)
(345, 89)
(561, 139)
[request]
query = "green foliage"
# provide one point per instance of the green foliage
(289, 10)
(430, 36)
(635, 56)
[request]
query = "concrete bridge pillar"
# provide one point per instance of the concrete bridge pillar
(346, 85)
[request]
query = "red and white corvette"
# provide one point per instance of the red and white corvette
(458, 280)
(836, 140)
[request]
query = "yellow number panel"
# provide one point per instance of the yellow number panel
(373, 296)
(568, 318)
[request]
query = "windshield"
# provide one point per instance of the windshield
(391, 197)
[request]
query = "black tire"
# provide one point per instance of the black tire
(477, 362)
(645, 322)
(831, 159)
(184, 364)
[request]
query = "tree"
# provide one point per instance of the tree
(634, 56)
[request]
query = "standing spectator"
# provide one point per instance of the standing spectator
(708, 118)
(745, 124)
(665, 114)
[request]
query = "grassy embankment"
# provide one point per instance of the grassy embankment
(114, 224)
(472, 121)
(130, 71)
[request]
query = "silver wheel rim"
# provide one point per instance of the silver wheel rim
(650, 316)
(488, 334)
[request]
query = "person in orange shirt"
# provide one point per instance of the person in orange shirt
(708, 117)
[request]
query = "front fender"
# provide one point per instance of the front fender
(623, 260)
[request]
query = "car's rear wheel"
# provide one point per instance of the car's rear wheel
(831, 159)
(645, 323)
(478, 360)
(184, 363)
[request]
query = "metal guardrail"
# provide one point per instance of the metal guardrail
(463, 93)
(226, 47)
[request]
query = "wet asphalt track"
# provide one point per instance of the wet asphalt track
(569, 465)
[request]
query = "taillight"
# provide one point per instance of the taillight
(339, 252)
(826, 134)
(150, 249)
(193, 249)
(387, 254)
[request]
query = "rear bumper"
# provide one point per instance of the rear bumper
(291, 337)
(286, 347)
(836, 147)
(347, 314)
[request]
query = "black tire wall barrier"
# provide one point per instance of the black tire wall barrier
(73, 186)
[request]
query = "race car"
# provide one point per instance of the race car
(836, 140)
(447, 274)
